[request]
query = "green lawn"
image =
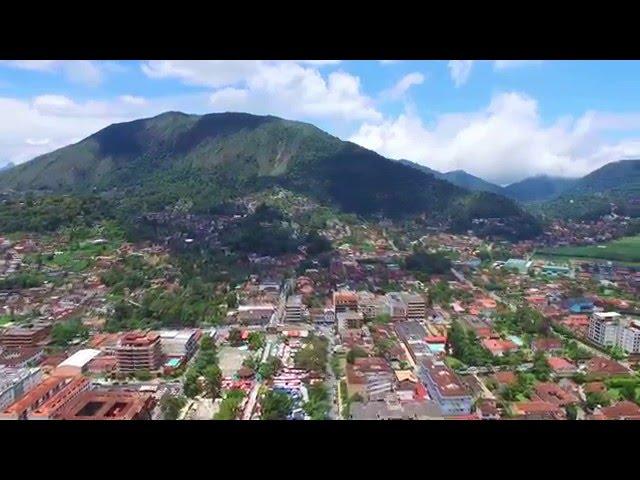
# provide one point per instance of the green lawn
(626, 249)
(4, 319)
(454, 363)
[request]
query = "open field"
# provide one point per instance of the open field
(625, 249)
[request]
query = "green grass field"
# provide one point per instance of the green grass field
(626, 249)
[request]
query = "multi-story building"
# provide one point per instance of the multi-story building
(21, 357)
(15, 382)
(26, 335)
(611, 329)
(367, 304)
(416, 306)
(102, 404)
(49, 409)
(179, 343)
(349, 320)
(37, 397)
(344, 301)
(396, 306)
(372, 378)
(293, 309)
(139, 351)
(445, 388)
(603, 328)
(629, 337)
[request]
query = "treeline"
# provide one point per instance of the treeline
(49, 213)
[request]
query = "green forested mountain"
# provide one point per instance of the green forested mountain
(540, 187)
(616, 177)
(613, 188)
(460, 178)
(211, 158)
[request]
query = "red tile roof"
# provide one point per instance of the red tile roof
(621, 411)
(559, 364)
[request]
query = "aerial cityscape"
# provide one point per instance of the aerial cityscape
(319, 240)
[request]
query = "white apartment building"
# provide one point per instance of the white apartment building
(610, 329)
(15, 382)
(629, 337)
(603, 328)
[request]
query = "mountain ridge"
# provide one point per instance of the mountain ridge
(213, 157)
(459, 178)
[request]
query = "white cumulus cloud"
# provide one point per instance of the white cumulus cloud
(285, 88)
(504, 142)
(460, 71)
(404, 84)
(86, 72)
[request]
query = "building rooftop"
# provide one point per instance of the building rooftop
(34, 395)
(176, 334)
(9, 376)
(107, 405)
(621, 411)
(80, 358)
(426, 409)
(12, 357)
(559, 363)
(446, 381)
(138, 339)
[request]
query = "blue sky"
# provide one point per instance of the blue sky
(501, 120)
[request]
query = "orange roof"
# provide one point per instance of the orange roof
(33, 396)
(559, 363)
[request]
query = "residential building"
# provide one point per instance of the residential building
(49, 409)
(604, 367)
(349, 320)
(624, 410)
(15, 382)
(561, 367)
(370, 377)
(629, 336)
(499, 347)
(368, 304)
(29, 335)
(416, 306)
(552, 393)
(547, 345)
(393, 409)
(538, 410)
(35, 397)
(611, 329)
(179, 343)
(395, 306)
(445, 388)
(21, 357)
(293, 309)
(103, 404)
(344, 301)
(603, 328)
(139, 351)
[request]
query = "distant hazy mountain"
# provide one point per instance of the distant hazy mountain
(214, 157)
(6, 166)
(459, 178)
(622, 177)
(538, 188)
